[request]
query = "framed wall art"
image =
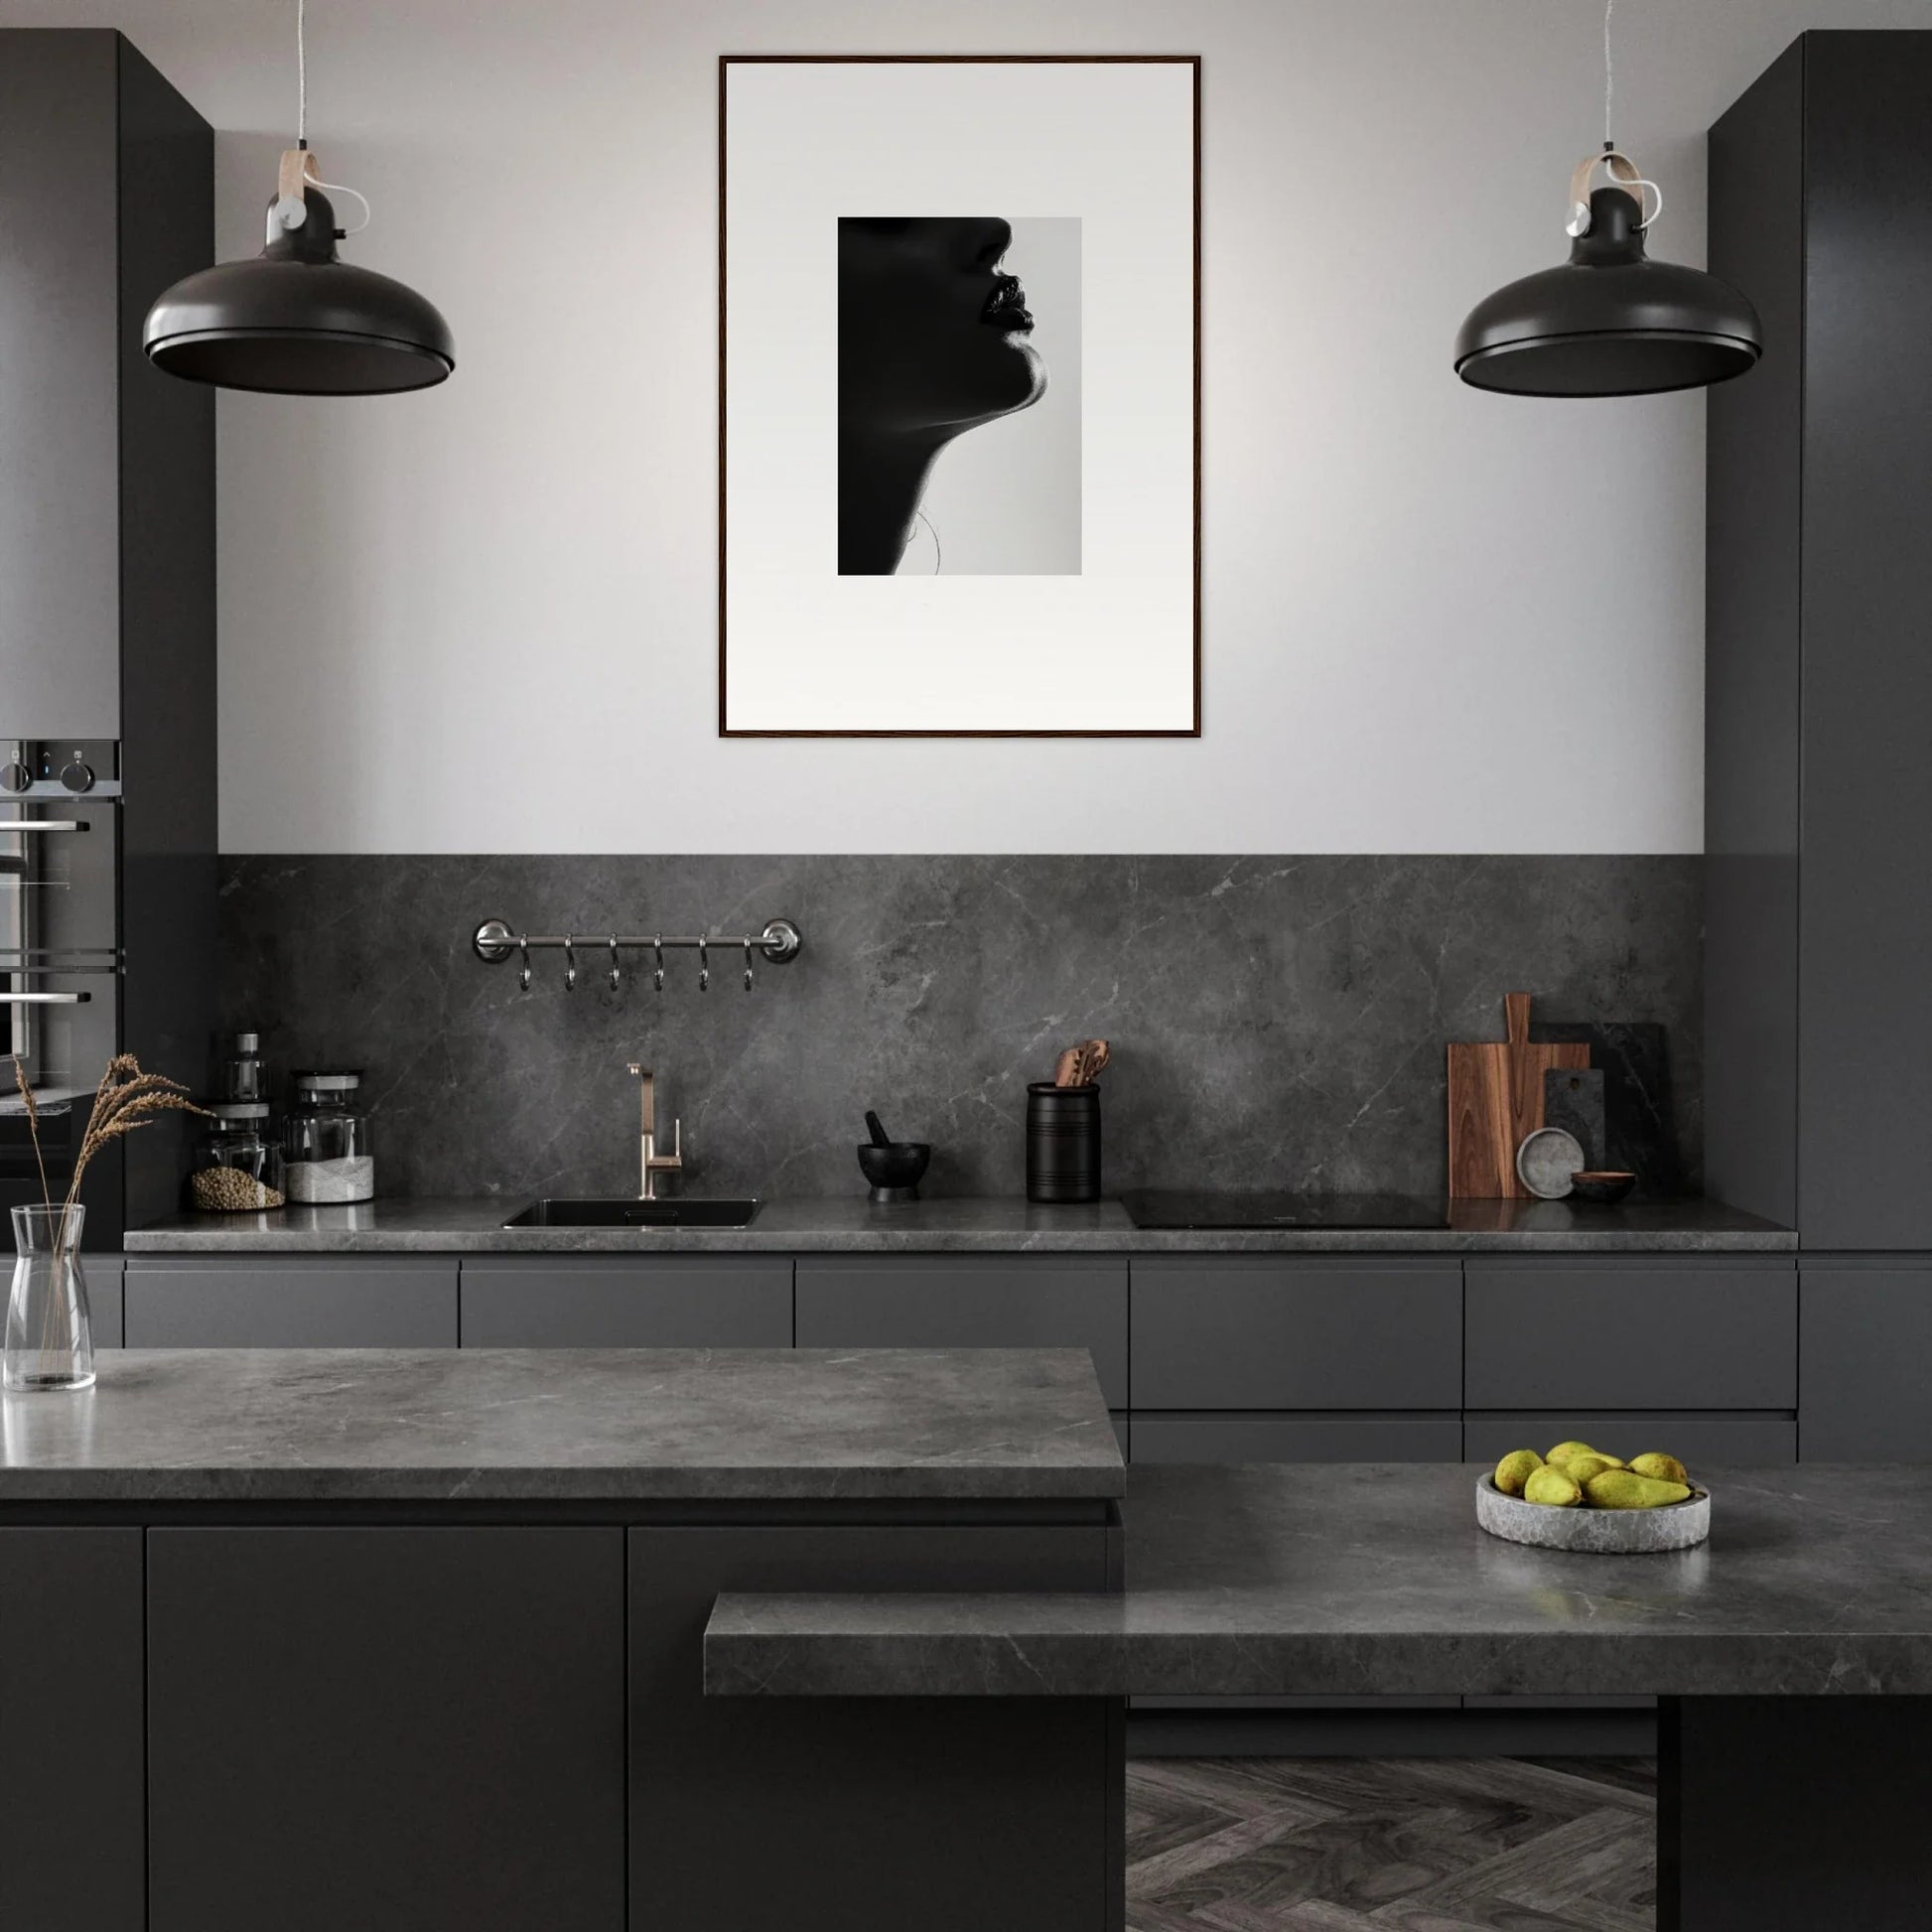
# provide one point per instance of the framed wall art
(959, 396)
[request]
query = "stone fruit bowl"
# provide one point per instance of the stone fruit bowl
(1598, 1532)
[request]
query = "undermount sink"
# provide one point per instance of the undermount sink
(635, 1213)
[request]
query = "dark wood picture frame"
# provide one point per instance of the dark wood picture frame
(728, 60)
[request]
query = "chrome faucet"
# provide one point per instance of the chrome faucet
(651, 1162)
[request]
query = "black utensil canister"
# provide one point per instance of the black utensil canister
(1062, 1143)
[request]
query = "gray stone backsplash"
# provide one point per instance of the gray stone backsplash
(1275, 1022)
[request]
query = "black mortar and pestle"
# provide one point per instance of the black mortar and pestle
(893, 1166)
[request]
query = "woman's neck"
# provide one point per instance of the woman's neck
(881, 482)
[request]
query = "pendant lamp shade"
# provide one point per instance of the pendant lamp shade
(297, 320)
(1609, 321)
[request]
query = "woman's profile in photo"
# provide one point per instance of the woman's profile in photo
(932, 341)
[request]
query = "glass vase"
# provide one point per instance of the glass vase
(50, 1335)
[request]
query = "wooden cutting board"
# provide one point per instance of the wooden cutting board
(1495, 1099)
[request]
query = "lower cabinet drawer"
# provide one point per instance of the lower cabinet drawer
(1008, 1302)
(1272, 1334)
(1867, 1346)
(1297, 1438)
(690, 1302)
(1731, 1440)
(1651, 1333)
(311, 1304)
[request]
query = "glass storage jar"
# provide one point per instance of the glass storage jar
(237, 1166)
(238, 1073)
(327, 1139)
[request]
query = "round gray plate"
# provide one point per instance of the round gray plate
(1546, 1160)
(1598, 1532)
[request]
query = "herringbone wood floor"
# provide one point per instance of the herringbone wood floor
(1391, 1845)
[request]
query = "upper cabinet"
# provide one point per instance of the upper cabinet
(1819, 674)
(107, 509)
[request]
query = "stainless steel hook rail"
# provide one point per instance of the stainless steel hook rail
(496, 940)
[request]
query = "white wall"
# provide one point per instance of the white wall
(483, 619)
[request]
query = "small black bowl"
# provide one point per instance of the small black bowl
(894, 1168)
(1604, 1186)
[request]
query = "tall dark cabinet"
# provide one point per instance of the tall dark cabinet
(107, 702)
(1819, 714)
(1819, 680)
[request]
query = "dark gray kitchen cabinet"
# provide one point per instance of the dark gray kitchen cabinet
(970, 1302)
(1736, 1439)
(1298, 1439)
(1818, 705)
(656, 1302)
(739, 1807)
(1549, 1332)
(103, 1273)
(267, 1301)
(1865, 1352)
(408, 1729)
(1273, 1332)
(73, 1835)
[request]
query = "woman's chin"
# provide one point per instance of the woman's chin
(1035, 366)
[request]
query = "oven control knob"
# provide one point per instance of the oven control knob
(15, 777)
(78, 777)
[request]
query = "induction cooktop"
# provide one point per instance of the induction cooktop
(1158, 1208)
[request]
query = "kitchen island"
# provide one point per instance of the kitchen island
(1793, 1651)
(413, 1639)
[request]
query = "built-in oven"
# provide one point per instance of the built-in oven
(59, 962)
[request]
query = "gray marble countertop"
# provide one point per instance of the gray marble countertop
(298, 1425)
(1373, 1579)
(853, 1225)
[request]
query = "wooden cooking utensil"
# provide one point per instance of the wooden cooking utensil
(1495, 1100)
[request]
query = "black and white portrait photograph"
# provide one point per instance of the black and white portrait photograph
(960, 332)
(939, 335)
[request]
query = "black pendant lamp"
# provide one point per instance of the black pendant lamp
(297, 320)
(1609, 321)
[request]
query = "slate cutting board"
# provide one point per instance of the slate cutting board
(1639, 1125)
(1573, 1099)
(1495, 1099)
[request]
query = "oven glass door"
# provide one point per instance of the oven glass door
(59, 975)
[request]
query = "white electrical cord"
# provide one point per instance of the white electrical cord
(290, 212)
(337, 187)
(1610, 73)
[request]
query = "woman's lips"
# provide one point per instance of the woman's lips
(1006, 307)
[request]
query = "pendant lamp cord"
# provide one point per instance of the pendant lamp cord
(301, 121)
(1609, 74)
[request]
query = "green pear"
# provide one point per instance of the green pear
(1666, 1468)
(1550, 1485)
(1516, 1469)
(1625, 1489)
